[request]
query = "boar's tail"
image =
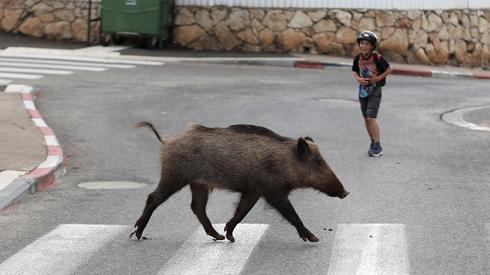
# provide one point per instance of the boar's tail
(148, 124)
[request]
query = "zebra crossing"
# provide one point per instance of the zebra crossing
(62, 250)
(357, 249)
(31, 64)
(236, 255)
(369, 249)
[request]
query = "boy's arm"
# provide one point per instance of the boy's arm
(381, 76)
(356, 73)
(362, 81)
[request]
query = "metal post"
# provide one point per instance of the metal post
(89, 23)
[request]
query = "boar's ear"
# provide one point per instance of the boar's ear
(309, 139)
(303, 149)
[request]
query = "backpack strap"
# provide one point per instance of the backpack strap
(377, 61)
(357, 59)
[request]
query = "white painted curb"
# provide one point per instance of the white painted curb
(48, 171)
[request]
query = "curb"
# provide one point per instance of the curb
(455, 117)
(48, 171)
(397, 70)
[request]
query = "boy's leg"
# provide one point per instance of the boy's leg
(371, 122)
(376, 149)
(372, 128)
(369, 108)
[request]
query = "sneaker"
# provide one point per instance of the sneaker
(370, 147)
(376, 150)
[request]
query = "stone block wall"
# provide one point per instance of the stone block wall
(51, 19)
(449, 37)
(442, 37)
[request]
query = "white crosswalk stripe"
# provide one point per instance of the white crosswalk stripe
(200, 256)
(64, 67)
(71, 63)
(62, 250)
(369, 249)
(32, 63)
(357, 249)
(20, 76)
(39, 71)
(79, 58)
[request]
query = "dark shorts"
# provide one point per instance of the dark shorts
(370, 104)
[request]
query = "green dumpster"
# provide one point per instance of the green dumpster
(147, 19)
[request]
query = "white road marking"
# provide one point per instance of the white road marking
(78, 58)
(62, 250)
(201, 255)
(35, 71)
(64, 67)
(111, 185)
(369, 249)
(43, 61)
(456, 118)
(20, 76)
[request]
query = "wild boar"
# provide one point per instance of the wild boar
(248, 159)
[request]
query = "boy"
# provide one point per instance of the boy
(370, 70)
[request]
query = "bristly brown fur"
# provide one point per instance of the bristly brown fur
(251, 160)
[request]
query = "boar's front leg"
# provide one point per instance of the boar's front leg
(200, 194)
(284, 206)
(157, 197)
(247, 201)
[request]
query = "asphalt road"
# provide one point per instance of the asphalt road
(433, 180)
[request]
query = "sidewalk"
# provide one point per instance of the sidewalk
(306, 61)
(321, 62)
(31, 158)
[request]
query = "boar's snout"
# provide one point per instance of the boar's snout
(343, 195)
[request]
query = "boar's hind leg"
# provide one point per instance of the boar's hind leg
(284, 206)
(157, 197)
(199, 200)
(247, 201)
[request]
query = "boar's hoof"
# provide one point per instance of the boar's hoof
(312, 238)
(344, 195)
(138, 235)
(230, 237)
(218, 237)
(131, 236)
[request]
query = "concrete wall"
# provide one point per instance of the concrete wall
(456, 37)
